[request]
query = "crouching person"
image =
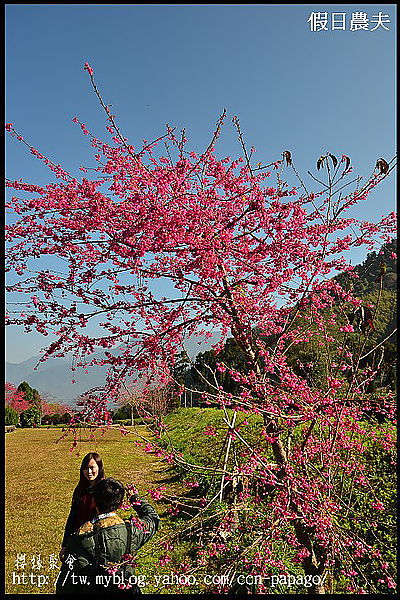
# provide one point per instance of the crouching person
(97, 558)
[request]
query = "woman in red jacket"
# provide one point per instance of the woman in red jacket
(82, 507)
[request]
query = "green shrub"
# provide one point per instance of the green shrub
(65, 418)
(124, 412)
(57, 419)
(11, 416)
(30, 417)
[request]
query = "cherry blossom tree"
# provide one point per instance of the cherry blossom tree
(242, 253)
(14, 398)
(20, 401)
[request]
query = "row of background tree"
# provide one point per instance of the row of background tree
(25, 407)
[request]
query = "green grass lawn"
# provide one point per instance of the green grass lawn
(41, 474)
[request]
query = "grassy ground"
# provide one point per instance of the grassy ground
(40, 477)
(188, 424)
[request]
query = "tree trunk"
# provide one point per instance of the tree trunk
(314, 564)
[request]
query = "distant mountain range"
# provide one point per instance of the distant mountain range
(54, 377)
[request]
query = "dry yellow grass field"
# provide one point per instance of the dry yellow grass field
(41, 474)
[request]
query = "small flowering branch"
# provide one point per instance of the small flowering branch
(110, 117)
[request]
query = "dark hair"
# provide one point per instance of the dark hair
(108, 494)
(83, 484)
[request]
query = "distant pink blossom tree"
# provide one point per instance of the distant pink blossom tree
(14, 398)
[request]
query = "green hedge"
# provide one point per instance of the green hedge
(30, 417)
(127, 422)
(12, 416)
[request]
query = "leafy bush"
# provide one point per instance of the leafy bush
(65, 418)
(124, 413)
(30, 417)
(11, 416)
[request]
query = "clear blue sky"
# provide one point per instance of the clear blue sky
(294, 89)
